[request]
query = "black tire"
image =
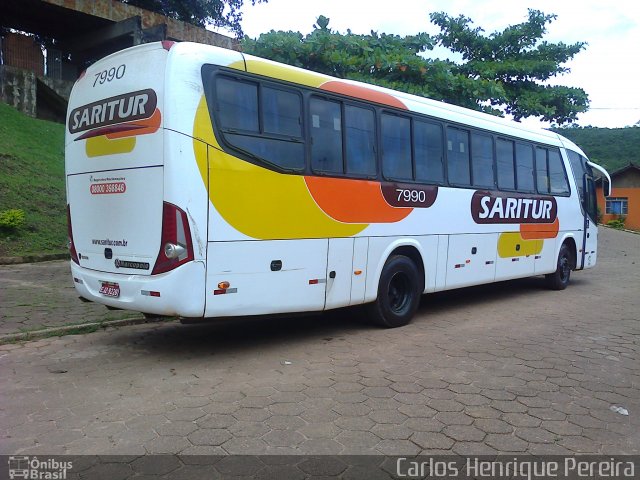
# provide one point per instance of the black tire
(559, 279)
(398, 294)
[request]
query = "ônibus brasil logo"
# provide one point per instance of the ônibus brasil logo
(34, 468)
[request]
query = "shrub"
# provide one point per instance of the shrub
(11, 219)
(617, 223)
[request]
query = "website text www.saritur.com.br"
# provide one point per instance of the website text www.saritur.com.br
(110, 243)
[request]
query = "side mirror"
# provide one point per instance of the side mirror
(606, 185)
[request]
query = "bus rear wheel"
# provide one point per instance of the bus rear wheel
(559, 279)
(398, 295)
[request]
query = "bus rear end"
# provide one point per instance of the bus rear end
(131, 245)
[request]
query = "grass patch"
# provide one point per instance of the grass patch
(32, 180)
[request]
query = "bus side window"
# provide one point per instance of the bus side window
(428, 153)
(326, 136)
(506, 171)
(360, 140)
(575, 160)
(396, 148)
(281, 112)
(482, 160)
(524, 167)
(458, 156)
(542, 171)
(557, 176)
(237, 104)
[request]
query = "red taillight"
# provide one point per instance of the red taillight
(72, 247)
(176, 247)
(167, 44)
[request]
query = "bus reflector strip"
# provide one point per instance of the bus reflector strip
(538, 257)
(315, 281)
(148, 293)
(489, 262)
(223, 291)
(460, 265)
(515, 259)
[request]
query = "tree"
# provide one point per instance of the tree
(502, 73)
(221, 13)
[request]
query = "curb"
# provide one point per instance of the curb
(78, 329)
(33, 258)
(635, 232)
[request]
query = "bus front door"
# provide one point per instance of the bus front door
(590, 208)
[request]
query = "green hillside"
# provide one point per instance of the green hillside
(32, 179)
(612, 148)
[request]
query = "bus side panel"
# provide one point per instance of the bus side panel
(471, 259)
(339, 272)
(545, 261)
(359, 280)
(266, 277)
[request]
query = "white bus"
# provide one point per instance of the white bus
(203, 182)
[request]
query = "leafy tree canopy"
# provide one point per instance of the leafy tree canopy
(500, 73)
(221, 13)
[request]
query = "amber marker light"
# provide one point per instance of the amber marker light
(224, 285)
(357, 272)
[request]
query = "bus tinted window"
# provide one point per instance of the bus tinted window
(506, 173)
(396, 148)
(429, 154)
(326, 136)
(237, 104)
(578, 168)
(281, 112)
(458, 156)
(482, 160)
(524, 167)
(557, 176)
(542, 171)
(288, 155)
(360, 140)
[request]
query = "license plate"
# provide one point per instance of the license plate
(110, 289)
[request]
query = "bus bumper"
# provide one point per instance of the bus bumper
(179, 292)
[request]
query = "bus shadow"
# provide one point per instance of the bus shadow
(509, 290)
(246, 334)
(229, 336)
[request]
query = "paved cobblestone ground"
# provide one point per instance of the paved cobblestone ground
(41, 295)
(508, 368)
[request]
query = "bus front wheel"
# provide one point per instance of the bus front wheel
(559, 279)
(398, 295)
